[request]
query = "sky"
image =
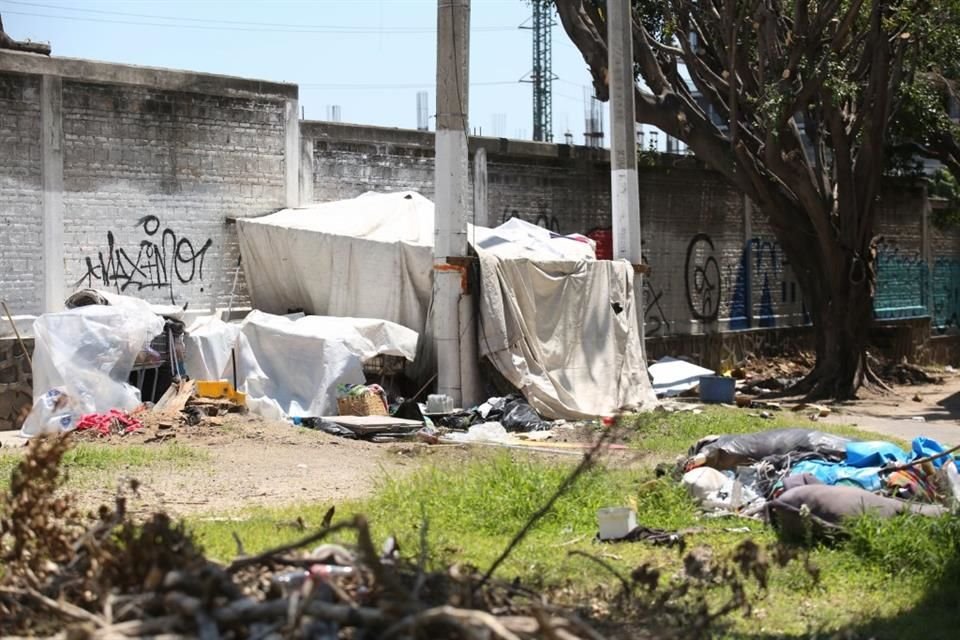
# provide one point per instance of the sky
(369, 57)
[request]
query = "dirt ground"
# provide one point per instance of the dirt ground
(931, 410)
(251, 462)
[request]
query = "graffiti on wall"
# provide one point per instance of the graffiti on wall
(702, 279)
(901, 283)
(655, 319)
(162, 260)
(764, 266)
(946, 294)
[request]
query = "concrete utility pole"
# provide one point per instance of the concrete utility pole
(625, 191)
(480, 215)
(451, 184)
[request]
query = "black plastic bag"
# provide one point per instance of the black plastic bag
(731, 451)
(328, 427)
(461, 420)
(518, 415)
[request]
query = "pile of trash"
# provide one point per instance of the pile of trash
(803, 480)
(106, 575)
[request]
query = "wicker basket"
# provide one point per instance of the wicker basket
(368, 404)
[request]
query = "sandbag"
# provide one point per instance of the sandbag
(731, 451)
(829, 506)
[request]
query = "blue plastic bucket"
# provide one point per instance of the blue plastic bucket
(717, 389)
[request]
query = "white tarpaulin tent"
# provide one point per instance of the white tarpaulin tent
(556, 323)
(292, 366)
(370, 257)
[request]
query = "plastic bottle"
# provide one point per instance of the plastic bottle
(327, 571)
(290, 581)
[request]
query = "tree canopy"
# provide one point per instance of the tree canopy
(800, 105)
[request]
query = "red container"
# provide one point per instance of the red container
(604, 240)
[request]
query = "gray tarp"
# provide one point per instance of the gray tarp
(817, 508)
(556, 323)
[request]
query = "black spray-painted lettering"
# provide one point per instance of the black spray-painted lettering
(162, 260)
(702, 279)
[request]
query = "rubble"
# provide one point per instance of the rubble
(105, 576)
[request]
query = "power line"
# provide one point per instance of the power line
(218, 25)
(425, 85)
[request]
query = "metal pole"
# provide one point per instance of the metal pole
(451, 189)
(625, 191)
(13, 325)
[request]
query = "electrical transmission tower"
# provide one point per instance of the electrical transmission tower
(541, 76)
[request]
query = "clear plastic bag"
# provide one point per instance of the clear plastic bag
(81, 362)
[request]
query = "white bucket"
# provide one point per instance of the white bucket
(616, 522)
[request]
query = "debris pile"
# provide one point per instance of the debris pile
(778, 474)
(113, 422)
(905, 373)
(764, 374)
(105, 575)
(192, 403)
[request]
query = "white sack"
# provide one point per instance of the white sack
(703, 481)
(87, 353)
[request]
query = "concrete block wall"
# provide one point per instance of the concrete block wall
(944, 281)
(557, 186)
(693, 232)
(143, 172)
(128, 178)
(902, 258)
(21, 192)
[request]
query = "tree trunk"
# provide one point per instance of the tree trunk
(841, 300)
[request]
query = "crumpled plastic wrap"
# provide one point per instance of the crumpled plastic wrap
(82, 360)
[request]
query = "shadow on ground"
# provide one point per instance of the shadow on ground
(935, 617)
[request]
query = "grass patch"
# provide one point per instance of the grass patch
(886, 580)
(87, 461)
(667, 435)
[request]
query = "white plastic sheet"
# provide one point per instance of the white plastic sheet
(209, 346)
(87, 355)
(292, 366)
(671, 376)
(558, 324)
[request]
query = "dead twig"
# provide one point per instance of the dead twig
(63, 608)
(268, 555)
(456, 617)
(241, 552)
(918, 461)
(422, 559)
(16, 332)
(245, 611)
(140, 628)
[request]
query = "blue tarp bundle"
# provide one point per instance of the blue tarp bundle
(865, 460)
